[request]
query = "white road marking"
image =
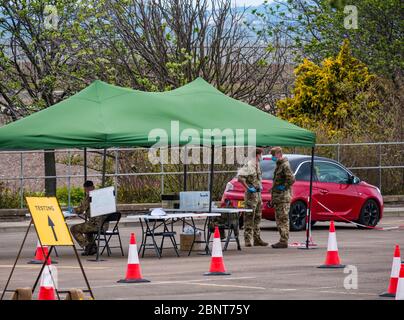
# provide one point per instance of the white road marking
(38, 266)
(170, 282)
(228, 285)
(287, 289)
(351, 293)
(202, 282)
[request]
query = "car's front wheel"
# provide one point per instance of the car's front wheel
(370, 213)
(297, 216)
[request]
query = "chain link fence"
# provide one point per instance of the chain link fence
(137, 180)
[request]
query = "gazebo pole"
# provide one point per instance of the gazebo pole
(104, 164)
(212, 160)
(308, 218)
(85, 164)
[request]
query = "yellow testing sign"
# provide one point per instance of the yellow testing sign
(49, 221)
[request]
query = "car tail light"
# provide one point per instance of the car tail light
(229, 187)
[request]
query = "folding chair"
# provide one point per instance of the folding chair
(114, 217)
(171, 235)
(149, 231)
(232, 226)
(106, 235)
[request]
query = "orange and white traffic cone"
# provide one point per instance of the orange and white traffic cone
(395, 272)
(48, 283)
(40, 255)
(133, 272)
(217, 264)
(332, 260)
(400, 284)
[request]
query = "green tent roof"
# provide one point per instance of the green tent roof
(103, 115)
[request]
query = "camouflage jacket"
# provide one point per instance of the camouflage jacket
(84, 209)
(251, 173)
(283, 175)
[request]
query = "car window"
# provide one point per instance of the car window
(303, 173)
(329, 172)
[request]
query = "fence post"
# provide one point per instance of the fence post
(85, 163)
(21, 182)
(338, 152)
(380, 167)
(185, 167)
(162, 172)
(116, 174)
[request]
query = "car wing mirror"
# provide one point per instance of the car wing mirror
(353, 180)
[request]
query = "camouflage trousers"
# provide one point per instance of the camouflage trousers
(83, 233)
(282, 220)
(224, 222)
(252, 219)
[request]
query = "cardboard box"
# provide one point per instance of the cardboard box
(186, 242)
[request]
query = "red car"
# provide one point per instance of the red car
(337, 193)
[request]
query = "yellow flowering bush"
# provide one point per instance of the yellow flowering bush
(331, 96)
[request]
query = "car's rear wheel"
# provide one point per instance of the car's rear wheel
(297, 216)
(370, 213)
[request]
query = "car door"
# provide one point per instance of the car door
(334, 192)
(301, 188)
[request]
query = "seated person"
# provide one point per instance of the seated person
(83, 232)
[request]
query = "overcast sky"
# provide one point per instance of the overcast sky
(248, 3)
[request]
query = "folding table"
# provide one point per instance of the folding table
(151, 224)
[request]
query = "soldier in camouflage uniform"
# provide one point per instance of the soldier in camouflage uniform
(281, 195)
(250, 177)
(81, 232)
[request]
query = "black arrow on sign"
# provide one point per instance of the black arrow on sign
(52, 225)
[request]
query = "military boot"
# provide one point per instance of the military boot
(280, 245)
(260, 243)
(92, 250)
(247, 242)
(86, 250)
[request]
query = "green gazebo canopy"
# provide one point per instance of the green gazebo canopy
(103, 116)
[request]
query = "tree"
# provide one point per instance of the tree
(330, 96)
(38, 60)
(163, 44)
(148, 45)
(317, 27)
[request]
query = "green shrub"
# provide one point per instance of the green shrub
(76, 195)
(8, 198)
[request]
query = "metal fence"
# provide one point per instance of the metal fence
(381, 152)
(377, 163)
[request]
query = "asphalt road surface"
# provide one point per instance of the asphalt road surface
(256, 273)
